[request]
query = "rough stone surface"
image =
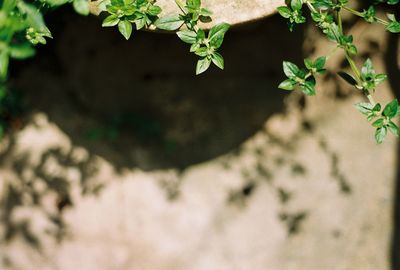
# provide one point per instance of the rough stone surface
(232, 12)
(309, 190)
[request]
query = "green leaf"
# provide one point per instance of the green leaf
(296, 4)
(288, 84)
(309, 87)
(33, 16)
(194, 47)
(320, 62)
(390, 110)
(154, 10)
(379, 123)
(111, 20)
(125, 28)
(202, 65)
(187, 36)
(380, 134)
(203, 52)
(54, 3)
(22, 51)
(285, 12)
(364, 107)
(205, 12)
(290, 69)
(169, 23)
(377, 107)
(393, 27)
(393, 128)
(8, 5)
(308, 63)
(81, 7)
(347, 77)
(380, 78)
(217, 33)
(194, 3)
(367, 70)
(140, 23)
(218, 60)
(4, 59)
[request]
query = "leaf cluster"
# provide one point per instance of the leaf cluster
(303, 78)
(205, 45)
(326, 15)
(124, 13)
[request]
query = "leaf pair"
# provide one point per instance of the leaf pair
(142, 13)
(302, 78)
(203, 45)
(383, 120)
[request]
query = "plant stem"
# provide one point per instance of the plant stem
(310, 6)
(371, 99)
(360, 14)
(353, 65)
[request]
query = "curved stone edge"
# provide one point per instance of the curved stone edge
(232, 12)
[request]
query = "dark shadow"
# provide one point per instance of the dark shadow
(392, 66)
(138, 102)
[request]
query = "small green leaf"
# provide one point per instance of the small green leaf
(218, 60)
(193, 3)
(288, 84)
(380, 134)
(81, 7)
(33, 16)
(367, 70)
(290, 69)
(377, 107)
(8, 5)
(203, 52)
(4, 59)
(111, 20)
(205, 12)
(217, 33)
(154, 10)
(187, 36)
(393, 128)
(22, 51)
(194, 47)
(393, 27)
(285, 12)
(364, 107)
(125, 28)
(202, 65)
(378, 123)
(140, 23)
(393, 2)
(309, 87)
(296, 4)
(390, 110)
(169, 23)
(347, 77)
(309, 64)
(320, 62)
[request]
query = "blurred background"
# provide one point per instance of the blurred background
(120, 157)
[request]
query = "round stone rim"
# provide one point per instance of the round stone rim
(230, 11)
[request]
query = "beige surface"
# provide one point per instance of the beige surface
(232, 12)
(322, 198)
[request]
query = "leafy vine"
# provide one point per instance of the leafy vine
(327, 15)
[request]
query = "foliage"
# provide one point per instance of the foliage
(327, 15)
(22, 27)
(144, 13)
